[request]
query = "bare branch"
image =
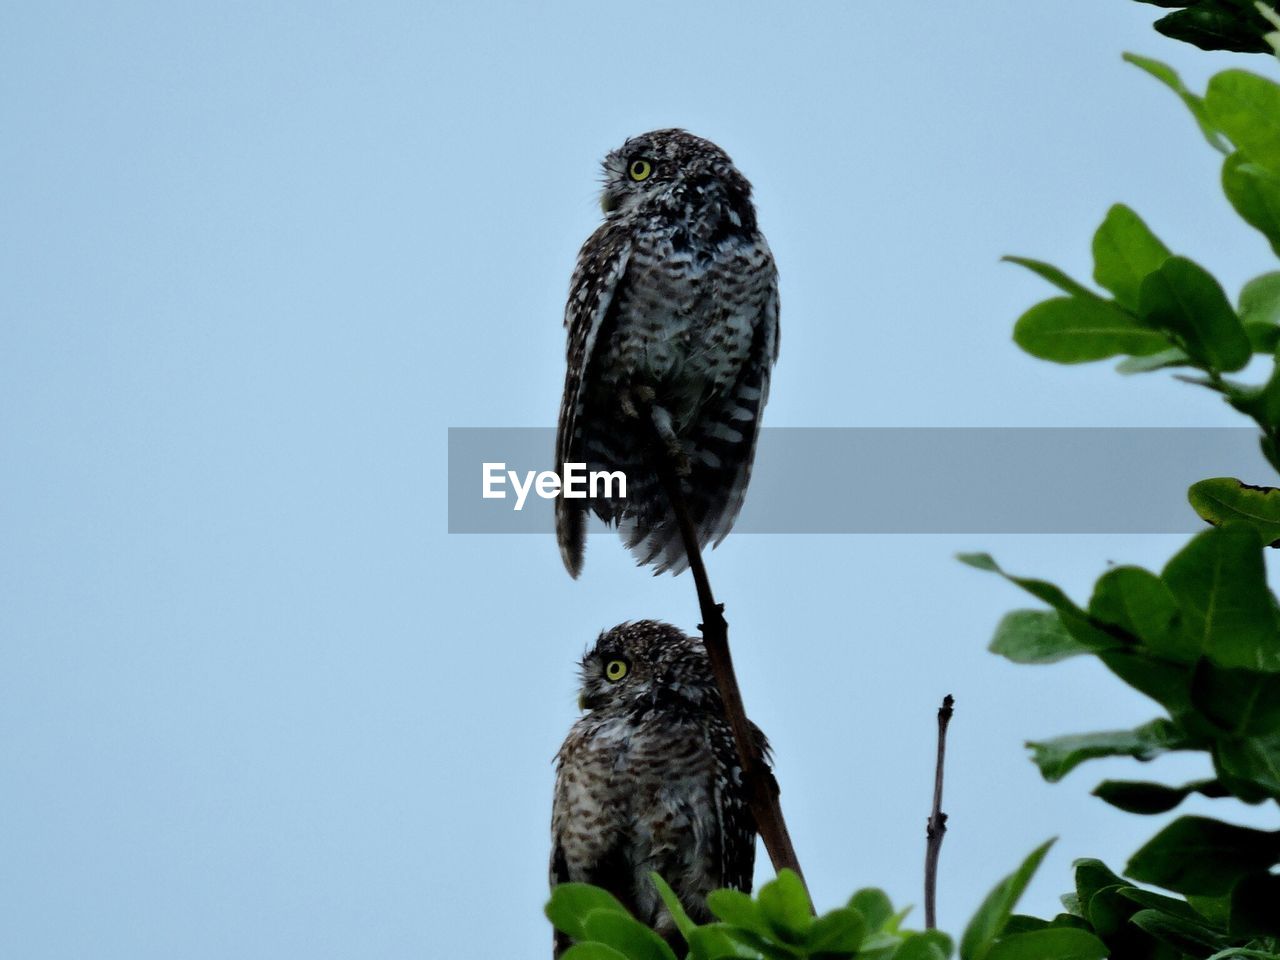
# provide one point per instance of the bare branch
(937, 823)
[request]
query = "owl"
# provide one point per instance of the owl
(649, 779)
(673, 331)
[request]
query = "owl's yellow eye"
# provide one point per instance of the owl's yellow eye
(640, 170)
(615, 670)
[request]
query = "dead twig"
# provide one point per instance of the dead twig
(937, 823)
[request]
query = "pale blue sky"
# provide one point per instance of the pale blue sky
(254, 702)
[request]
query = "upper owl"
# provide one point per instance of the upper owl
(673, 331)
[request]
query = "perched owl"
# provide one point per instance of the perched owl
(673, 329)
(648, 778)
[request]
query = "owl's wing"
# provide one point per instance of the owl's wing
(602, 263)
(745, 405)
(737, 823)
(606, 864)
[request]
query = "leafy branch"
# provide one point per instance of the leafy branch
(777, 924)
(1201, 638)
(1239, 25)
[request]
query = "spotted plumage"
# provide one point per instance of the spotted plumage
(673, 329)
(648, 778)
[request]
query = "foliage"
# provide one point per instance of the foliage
(1202, 636)
(776, 925)
(1215, 24)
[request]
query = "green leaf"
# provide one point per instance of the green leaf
(1260, 299)
(1034, 636)
(1263, 405)
(1184, 299)
(923, 946)
(1264, 337)
(1214, 911)
(1173, 357)
(1070, 903)
(1249, 766)
(1125, 252)
(1073, 618)
(672, 902)
(1239, 702)
(880, 946)
(1246, 107)
(737, 908)
(1109, 912)
(1091, 876)
(1215, 25)
(1203, 856)
(1178, 933)
(1259, 310)
(768, 947)
(1055, 276)
(1244, 953)
(713, 942)
(1059, 756)
(939, 939)
(1021, 923)
(1169, 77)
(625, 934)
(785, 905)
(1138, 602)
(1053, 943)
(571, 902)
(840, 931)
(1254, 192)
(874, 905)
(989, 921)
(1225, 499)
(1170, 905)
(1168, 684)
(1079, 330)
(1136, 796)
(1220, 584)
(1253, 906)
(592, 951)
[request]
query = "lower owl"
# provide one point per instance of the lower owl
(649, 780)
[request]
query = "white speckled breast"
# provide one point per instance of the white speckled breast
(687, 321)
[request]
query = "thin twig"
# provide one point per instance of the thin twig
(937, 824)
(765, 805)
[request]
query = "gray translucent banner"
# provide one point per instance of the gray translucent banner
(910, 480)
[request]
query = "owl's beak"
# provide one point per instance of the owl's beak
(609, 200)
(582, 701)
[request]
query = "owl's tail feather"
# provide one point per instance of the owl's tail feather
(660, 546)
(654, 537)
(571, 534)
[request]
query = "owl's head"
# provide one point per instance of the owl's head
(672, 169)
(642, 664)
